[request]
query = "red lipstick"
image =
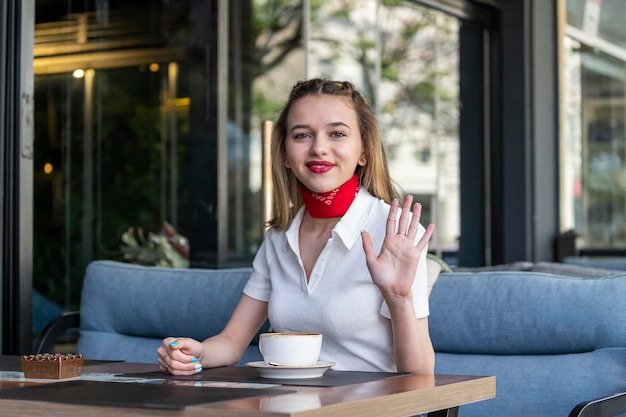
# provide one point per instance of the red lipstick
(319, 167)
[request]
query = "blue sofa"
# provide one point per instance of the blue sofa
(126, 310)
(603, 262)
(552, 341)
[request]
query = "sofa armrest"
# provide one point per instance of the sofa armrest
(67, 321)
(609, 406)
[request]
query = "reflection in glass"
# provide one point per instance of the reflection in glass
(110, 113)
(404, 58)
(131, 121)
(594, 140)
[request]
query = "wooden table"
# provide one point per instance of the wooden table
(398, 396)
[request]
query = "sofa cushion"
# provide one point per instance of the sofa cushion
(526, 313)
(609, 262)
(434, 266)
(551, 341)
(126, 309)
(572, 270)
(513, 266)
(113, 346)
(572, 267)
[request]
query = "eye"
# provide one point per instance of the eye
(300, 135)
(338, 134)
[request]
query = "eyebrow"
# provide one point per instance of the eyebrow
(333, 124)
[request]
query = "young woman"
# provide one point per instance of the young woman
(340, 258)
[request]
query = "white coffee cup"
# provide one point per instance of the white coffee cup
(290, 349)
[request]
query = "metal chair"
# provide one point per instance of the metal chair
(450, 412)
(67, 321)
(610, 406)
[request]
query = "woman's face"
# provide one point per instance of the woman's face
(323, 143)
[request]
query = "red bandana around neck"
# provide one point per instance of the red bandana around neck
(334, 203)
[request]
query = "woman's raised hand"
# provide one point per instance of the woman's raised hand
(180, 356)
(393, 269)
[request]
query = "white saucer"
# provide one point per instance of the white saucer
(290, 372)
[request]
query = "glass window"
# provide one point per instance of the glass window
(594, 140)
(128, 107)
(110, 123)
(601, 18)
(404, 58)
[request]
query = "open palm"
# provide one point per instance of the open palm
(393, 269)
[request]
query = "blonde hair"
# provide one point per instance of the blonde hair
(374, 176)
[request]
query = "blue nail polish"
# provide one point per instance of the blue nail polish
(174, 343)
(194, 360)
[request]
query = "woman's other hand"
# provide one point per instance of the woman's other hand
(180, 356)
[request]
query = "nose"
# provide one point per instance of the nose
(319, 145)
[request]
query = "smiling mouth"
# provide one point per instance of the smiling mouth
(319, 167)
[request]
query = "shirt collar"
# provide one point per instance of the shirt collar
(356, 218)
(348, 229)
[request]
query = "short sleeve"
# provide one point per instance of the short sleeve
(259, 285)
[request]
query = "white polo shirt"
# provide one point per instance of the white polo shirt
(340, 301)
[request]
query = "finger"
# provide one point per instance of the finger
(174, 343)
(163, 365)
(179, 348)
(415, 221)
(176, 350)
(426, 237)
(391, 219)
(171, 347)
(161, 351)
(169, 343)
(404, 216)
(162, 354)
(185, 368)
(171, 366)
